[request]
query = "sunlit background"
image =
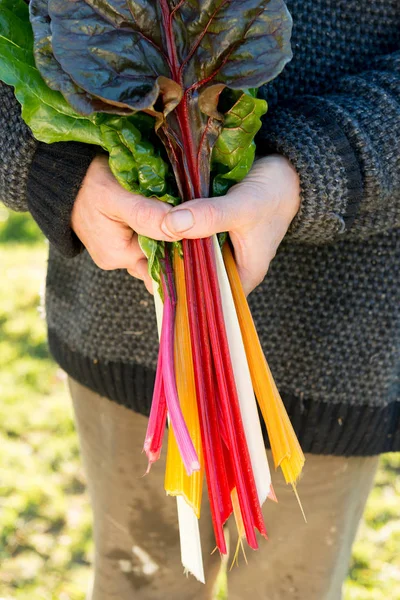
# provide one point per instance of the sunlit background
(45, 535)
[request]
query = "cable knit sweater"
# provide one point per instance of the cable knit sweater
(328, 312)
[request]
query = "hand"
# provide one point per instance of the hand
(256, 212)
(107, 219)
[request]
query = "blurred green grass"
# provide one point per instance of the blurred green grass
(45, 534)
(45, 530)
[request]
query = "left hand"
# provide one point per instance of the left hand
(256, 212)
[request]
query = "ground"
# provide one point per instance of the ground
(45, 534)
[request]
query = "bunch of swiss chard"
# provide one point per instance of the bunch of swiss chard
(168, 89)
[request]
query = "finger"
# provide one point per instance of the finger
(122, 251)
(204, 217)
(252, 267)
(251, 279)
(143, 215)
(254, 253)
(149, 286)
(140, 271)
(102, 193)
(272, 186)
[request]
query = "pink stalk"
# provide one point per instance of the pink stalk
(185, 444)
(158, 418)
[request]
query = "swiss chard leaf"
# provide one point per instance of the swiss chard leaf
(118, 50)
(171, 58)
(51, 70)
(234, 150)
(47, 113)
(135, 163)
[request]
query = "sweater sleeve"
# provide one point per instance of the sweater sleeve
(17, 149)
(345, 146)
(42, 178)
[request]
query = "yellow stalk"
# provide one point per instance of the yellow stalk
(177, 482)
(286, 450)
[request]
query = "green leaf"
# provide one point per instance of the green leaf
(154, 252)
(133, 160)
(47, 113)
(14, 25)
(120, 63)
(234, 150)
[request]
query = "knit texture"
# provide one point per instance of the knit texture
(328, 312)
(56, 174)
(17, 149)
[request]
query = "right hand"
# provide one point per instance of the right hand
(107, 219)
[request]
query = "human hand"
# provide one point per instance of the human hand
(256, 212)
(107, 219)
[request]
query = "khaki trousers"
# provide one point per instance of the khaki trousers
(137, 553)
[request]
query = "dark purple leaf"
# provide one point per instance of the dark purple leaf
(171, 58)
(50, 69)
(117, 49)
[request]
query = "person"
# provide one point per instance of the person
(320, 211)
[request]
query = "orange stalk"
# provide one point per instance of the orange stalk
(286, 450)
(240, 528)
(177, 482)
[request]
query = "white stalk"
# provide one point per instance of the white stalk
(189, 532)
(247, 401)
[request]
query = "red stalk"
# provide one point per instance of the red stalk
(238, 424)
(218, 488)
(230, 474)
(245, 484)
(212, 396)
(158, 418)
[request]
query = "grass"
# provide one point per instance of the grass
(45, 535)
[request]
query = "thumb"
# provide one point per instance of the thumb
(201, 218)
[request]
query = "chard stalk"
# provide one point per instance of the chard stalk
(185, 444)
(158, 418)
(217, 483)
(242, 467)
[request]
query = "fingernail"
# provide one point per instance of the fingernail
(179, 220)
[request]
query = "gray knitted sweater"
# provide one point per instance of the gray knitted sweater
(328, 312)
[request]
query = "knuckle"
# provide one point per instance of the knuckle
(144, 214)
(212, 215)
(265, 199)
(255, 189)
(105, 262)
